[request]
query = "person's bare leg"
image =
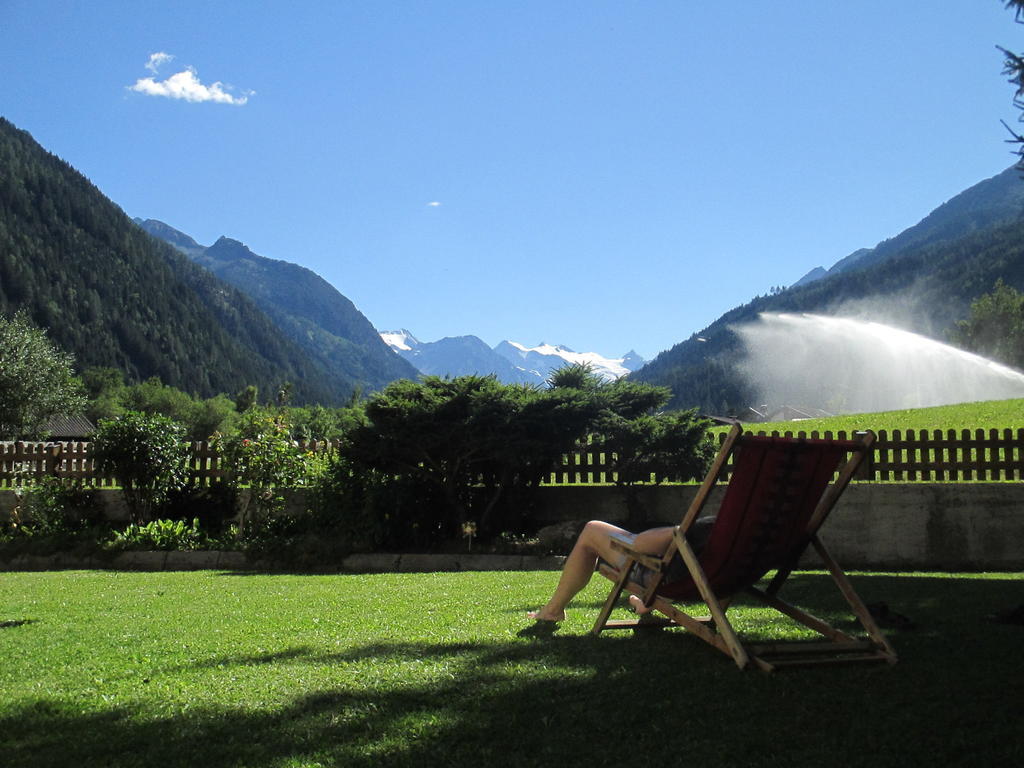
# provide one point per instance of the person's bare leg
(594, 541)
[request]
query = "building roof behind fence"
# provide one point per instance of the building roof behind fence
(69, 427)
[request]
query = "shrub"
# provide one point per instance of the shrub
(214, 506)
(52, 517)
(146, 455)
(264, 458)
(48, 506)
(365, 508)
(436, 455)
(160, 535)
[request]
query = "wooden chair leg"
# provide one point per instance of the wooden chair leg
(613, 596)
(722, 624)
(856, 604)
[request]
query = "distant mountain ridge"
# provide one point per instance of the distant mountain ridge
(986, 204)
(308, 309)
(114, 296)
(511, 362)
(922, 280)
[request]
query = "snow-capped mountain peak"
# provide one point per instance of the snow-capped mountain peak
(545, 358)
(510, 361)
(401, 341)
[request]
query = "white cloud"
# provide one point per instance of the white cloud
(156, 60)
(185, 85)
(433, 204)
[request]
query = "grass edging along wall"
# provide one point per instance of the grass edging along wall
(928, 526)
(237, 561)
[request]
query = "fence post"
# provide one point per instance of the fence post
(54, 459)
(866, 470)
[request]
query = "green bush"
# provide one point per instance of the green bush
(437, 455)
(146, 455)
(263, 459)
(214, 506)
(160, 535)
(364, 508)
(52, 517)
(48, 506)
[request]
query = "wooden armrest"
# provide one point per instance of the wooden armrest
(625, 545)
(620, 542)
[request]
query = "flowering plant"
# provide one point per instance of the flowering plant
(264, 459)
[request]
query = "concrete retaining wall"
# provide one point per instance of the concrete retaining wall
(940, 526)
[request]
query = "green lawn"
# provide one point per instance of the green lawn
(992, 414)
(227, 670)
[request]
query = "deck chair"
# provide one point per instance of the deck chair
(779, 494)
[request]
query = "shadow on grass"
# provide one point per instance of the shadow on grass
(15, 623)
(576, 699)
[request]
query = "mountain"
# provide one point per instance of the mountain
(922, 280)
(512, 363)
(179, 240)
(456, 356)
(546, 358)
(987, 204)
(114, 296)
(308, 310)
(815, 274)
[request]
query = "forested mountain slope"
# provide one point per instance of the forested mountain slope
(307, 308)
(922, 280)
(114, 296)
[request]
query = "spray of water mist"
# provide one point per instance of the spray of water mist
(843, 365)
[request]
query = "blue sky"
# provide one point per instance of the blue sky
(605, 175)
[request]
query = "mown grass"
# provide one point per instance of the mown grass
(992, 414)
(226, 670)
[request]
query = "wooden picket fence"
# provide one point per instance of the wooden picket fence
(23, 462)
(913, 456)
(916, 456)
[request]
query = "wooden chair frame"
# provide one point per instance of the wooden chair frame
(715, 627)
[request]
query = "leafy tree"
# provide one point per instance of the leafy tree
(211, 416)
(995, 327)
(105, 389)
(246, 398)
(319, 423)
(153, 396)
(147, 455)
(109, 397)
(36, 380)
(578, 376)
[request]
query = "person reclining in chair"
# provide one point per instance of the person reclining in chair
(594, 543)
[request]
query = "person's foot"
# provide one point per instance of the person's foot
(543, 615)
(638, 605)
